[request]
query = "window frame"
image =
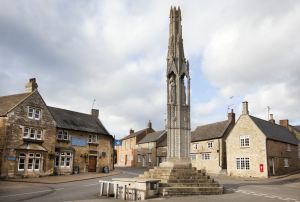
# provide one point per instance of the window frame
(63, 135)
(210, 144)
(195, 146)
(205, 156)
(34, 113)
(193, 157)
(244, 141)
(288, 148)
(286, 162)
(32, 133)
(93, 139)
(22, 156)
(242, 163)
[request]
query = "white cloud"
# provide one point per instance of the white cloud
(115, 51)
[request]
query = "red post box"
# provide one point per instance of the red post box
(261, 167)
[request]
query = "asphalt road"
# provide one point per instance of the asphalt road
(285, 189)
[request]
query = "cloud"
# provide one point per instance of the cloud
(115, 52)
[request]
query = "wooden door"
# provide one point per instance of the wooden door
(92, 163)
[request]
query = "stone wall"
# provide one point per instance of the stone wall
(144, 152)
(212, 165)
(17, 119)
(256, 152)
(102, 150)
(277, 152)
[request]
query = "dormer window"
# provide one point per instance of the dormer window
(62, 135)
(34, 113)
(92, 138)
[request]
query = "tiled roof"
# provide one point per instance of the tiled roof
(209, 131)
(274, 131)
(9, 102)
(137, 133)
(153, 137)
(71, 120)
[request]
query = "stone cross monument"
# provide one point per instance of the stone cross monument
(178, 97)
(176, 175)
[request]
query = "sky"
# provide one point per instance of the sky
(114, 52)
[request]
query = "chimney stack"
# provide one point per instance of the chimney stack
(231, 116)
(131, 131)
(31, 85)
(272, 119)
(149, 124)
(284, 123)
(245, 108)
(95, 112)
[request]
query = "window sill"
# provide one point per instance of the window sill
(93, 143)
(244, 147)
(32, 140)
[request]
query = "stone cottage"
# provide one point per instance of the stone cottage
(151, 151)
(208, 146)
(82, 142)
(260, 148)
(127, 152)
(27, 134)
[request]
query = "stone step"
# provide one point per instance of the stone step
(190, 180)
(173, 191)
(201, 184)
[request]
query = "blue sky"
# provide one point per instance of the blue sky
(115, 52)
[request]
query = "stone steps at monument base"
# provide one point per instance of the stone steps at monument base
(174, 177)
(186, 181)
(192, 184)
(173, 191)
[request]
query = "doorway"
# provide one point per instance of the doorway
(92, 163)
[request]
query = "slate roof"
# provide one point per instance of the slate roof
(297, 127)
(9, 102)
(72, 120)
(274, 131)
(210, 131)
(153, 137)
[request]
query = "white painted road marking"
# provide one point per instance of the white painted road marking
(34, 192)
(262, 195)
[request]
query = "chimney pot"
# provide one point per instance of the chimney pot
(231, 116)
(31, 85)
(131, 131)
(95, 112)
(245, 108)
(272, 118)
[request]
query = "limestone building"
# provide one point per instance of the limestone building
(260, 148)
(152, 150)
(27, 134)
(37, 140)
(208, 146)
(82, 142)
(127, 152)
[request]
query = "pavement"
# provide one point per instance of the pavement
(65, 178)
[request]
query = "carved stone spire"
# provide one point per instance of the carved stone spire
(178, 91)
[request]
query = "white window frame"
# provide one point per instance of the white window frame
(243, 163)
(62, 135)
(193, 157)
(195, 146)
(65, 159)
(286, 162)
(93, 139)
(288, 147)
(209, 144)
(34, 113)
(32, 133)
(30, 162)
(244, 141)
(22, 156)
(37, 161)
(205, 156)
